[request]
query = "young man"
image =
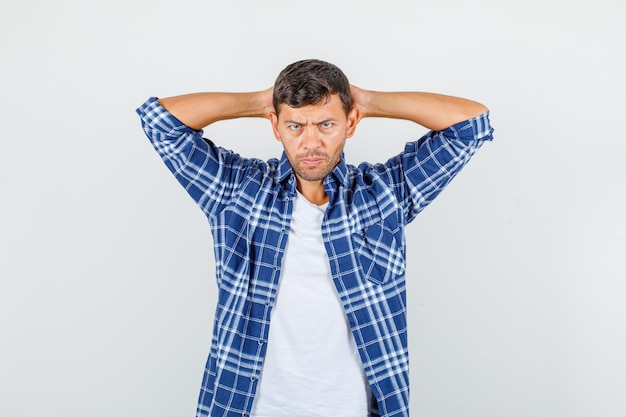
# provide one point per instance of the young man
(310, 251)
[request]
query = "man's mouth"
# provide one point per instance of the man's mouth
(312, 161)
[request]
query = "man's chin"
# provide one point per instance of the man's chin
(312, 174)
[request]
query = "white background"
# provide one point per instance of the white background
(516, 273)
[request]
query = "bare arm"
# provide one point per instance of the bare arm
(433, 111)
(198, 110)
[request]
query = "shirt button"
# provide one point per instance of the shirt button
(261, 342)
(252, 379)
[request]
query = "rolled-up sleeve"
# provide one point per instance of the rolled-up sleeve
(209, 173)
(430, 163)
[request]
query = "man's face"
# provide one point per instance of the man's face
(314, 136)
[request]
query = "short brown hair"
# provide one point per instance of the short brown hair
(311, 81)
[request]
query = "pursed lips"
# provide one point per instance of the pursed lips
(312, 160)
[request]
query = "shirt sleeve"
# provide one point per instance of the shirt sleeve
(428, 165)
(209, 173)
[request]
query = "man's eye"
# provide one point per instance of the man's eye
(295, 127)
(326, 125)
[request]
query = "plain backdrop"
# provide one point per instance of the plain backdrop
(516, 272)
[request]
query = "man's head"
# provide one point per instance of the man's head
(313, 118)
(311, 81)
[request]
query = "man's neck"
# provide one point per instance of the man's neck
(313, 191)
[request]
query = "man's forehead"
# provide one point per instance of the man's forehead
(326, 109)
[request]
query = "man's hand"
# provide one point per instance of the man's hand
(358, 102)
(266, 97)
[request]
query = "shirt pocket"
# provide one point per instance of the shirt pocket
(378, 252)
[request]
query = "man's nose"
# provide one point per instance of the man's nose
(311, 138)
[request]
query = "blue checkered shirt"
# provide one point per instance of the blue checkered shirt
(249, 202)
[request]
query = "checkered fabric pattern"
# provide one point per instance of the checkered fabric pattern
(248, 203)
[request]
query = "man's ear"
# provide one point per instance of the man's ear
(353, 119)
(274, 121)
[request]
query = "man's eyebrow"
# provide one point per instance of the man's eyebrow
(291, 121)
(330, 119)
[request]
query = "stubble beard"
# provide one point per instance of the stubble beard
(314, 173)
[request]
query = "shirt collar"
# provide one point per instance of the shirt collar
(339, 173)
(284, 170)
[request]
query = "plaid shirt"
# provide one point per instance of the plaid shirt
(249, 202)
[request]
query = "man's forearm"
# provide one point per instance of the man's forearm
(201, 109)
(433, 111)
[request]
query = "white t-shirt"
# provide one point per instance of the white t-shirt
(312, 367)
